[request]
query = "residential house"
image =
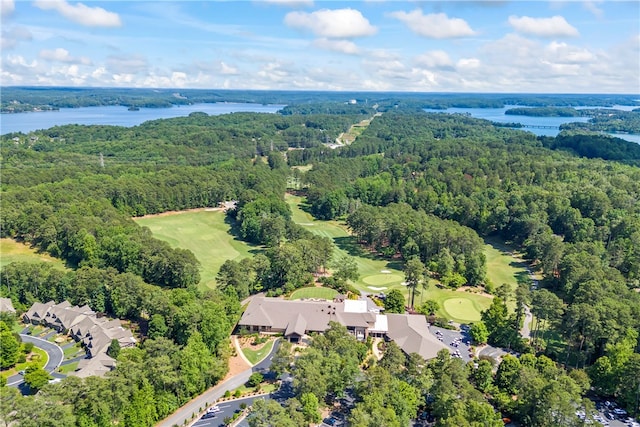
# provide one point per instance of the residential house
(37, 313)
(96, 366)
(82, 324)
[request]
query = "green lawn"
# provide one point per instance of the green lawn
(376, 274)
(38, 356)
(205, 233)
(502, 267)
(461, 307)
(12, 251)
(264, 388)
(255, 356)
(314, 292)
(65, 369)
(71, 352)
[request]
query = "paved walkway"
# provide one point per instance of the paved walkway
(526, 327)
(75, 359)
(375, 349)
(239, 351)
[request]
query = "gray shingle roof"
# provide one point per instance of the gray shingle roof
(410, 332)
(6, 305)
(298, 326)
(412, 335)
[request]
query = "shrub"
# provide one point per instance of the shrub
(21, 358)
(238, 393)
(227, 394)
(243, 406)
(255, 379)
(28, 347)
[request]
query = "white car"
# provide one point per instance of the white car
(214, 409)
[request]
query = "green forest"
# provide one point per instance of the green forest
(421, 189)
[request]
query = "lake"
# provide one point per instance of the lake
(119, 116)
(547, 126)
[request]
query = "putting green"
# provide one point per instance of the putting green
(461, 309)
(315, 292)
(382, 279)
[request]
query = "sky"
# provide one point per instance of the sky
(369, 45)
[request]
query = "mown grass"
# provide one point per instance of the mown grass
(314, 292)
(502, 267)
(372, 269)
(13, 251)
(37, 356)
(255, 356)
(264, 388)
(70, 367)
(73, 351)
(206, 234)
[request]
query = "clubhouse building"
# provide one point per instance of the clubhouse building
(295, 319)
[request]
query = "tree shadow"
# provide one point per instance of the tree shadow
(234, 231)
(352, 247)
(395, 264)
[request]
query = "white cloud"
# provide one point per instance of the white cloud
(434, 25)
(563, 53)
(438, 59)
(556, 26)
(337, 23)
(62, 55)
(81, 14)
(592, 7)
(227, 69)
(14, 35)
(98, 73)
(18, 60)
(7, 7)
(288, 3)
(468, 63)
(343, 46)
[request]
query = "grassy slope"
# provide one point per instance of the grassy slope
(12, 251)
(205, 233)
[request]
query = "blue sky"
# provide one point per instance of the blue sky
(425, 46)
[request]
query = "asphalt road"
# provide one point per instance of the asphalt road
(208, 397)
(53, 351)
(227, 409)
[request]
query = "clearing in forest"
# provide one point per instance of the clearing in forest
(205, 233)
(12, 251)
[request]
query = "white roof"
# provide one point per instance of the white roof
(355, 306)
(381, 325)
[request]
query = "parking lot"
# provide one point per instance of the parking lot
(459, 342)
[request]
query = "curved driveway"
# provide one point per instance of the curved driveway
(53, 351)
(184, 413)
